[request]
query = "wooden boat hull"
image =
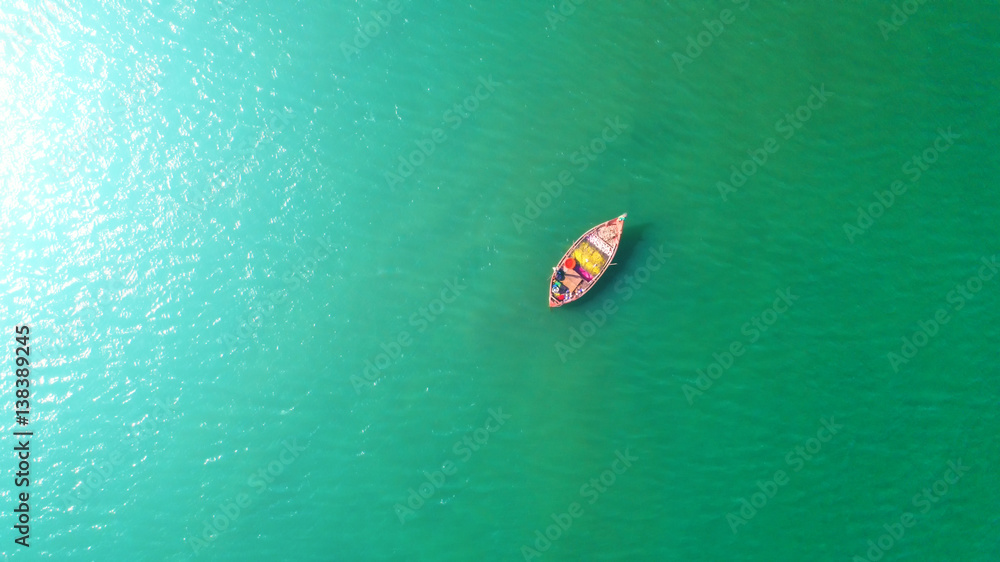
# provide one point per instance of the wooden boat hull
(590, 256)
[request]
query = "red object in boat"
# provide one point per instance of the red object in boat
(570, 263)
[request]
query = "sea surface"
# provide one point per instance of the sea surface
(284, 267)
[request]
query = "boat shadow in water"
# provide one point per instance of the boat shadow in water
(625, 261)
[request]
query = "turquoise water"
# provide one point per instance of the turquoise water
(283, 267)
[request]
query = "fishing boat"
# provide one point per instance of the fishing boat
(585, 262)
